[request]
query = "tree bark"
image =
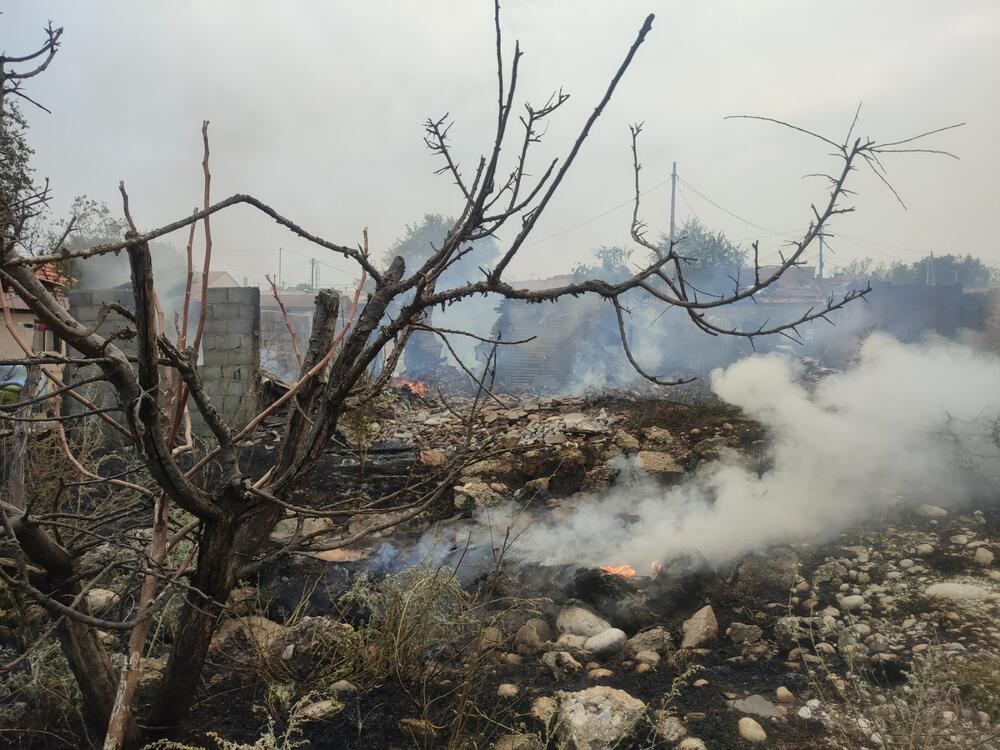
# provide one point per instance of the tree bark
(210, 588)
(87, 658)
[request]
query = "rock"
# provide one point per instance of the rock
(700, 628)
(507, 690)
(656, 639)
(321, 710)
(538, 487)
(476, 494)
(343, 687)
(805, 713)
(611, 641)
(544, 709)
(924, 550)
(597, 718)
(100, 599)
(491, 638)
(600, 673)
(691, 743)
(931, 511)
(522, 741)
(741, 633)
(851, 603)
(570, 641)
(260, 631)
(648, 657)
(751, 731)
(757, 705)
(431, 457)
(580, 621)
(784, 695)
(284, 531)
(669, 728)
(788, 631)
(625, 441)
(983, 556)
(532, 635)
(660, 464)
(956, 591)
(561, 663)
(418, 729)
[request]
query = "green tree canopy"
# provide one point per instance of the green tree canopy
(713, 256)
(966, 270)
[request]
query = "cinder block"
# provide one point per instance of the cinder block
(246, 295)
(216, 295)
(244, 326)
(216, 326)
(229, 357)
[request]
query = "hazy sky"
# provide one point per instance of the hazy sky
(316, 108)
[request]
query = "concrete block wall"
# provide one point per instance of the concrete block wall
(230, 351)
(85, 305)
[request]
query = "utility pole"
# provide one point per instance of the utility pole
(821, 256)
(673, 201)
(279, 269)
(312, 274)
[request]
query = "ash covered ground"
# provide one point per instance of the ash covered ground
(442, 632)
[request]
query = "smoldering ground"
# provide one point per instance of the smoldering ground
(907, 424)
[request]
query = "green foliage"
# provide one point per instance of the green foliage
(94, 224)
(414, 615)
(271, 739)
(15, 155)
(611, 265)
(978, 679)
(713, 257)
(966, 270)
(42, 692)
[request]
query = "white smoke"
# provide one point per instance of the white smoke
(908, 423)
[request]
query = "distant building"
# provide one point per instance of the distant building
(31, 330)
(215, 279)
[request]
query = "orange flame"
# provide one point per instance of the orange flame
(625, 571)
(416, 387)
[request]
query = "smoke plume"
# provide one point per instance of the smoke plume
(907, 424)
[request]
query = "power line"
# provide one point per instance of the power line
(598, 216)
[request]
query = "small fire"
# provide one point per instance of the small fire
(625, 571)
(416, 387)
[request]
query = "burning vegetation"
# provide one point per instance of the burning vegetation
(407, 533)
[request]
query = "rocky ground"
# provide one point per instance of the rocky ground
(883, 636)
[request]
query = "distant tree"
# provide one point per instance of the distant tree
(713, 257)
(612, 264)
(15, 154)
(94, 224)
(423, 239)
(966, 270)
(863, 267)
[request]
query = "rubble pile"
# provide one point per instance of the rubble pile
(795, 646)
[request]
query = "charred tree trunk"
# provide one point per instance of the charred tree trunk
(211, 585)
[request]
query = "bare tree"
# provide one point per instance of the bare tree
(227, 513)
